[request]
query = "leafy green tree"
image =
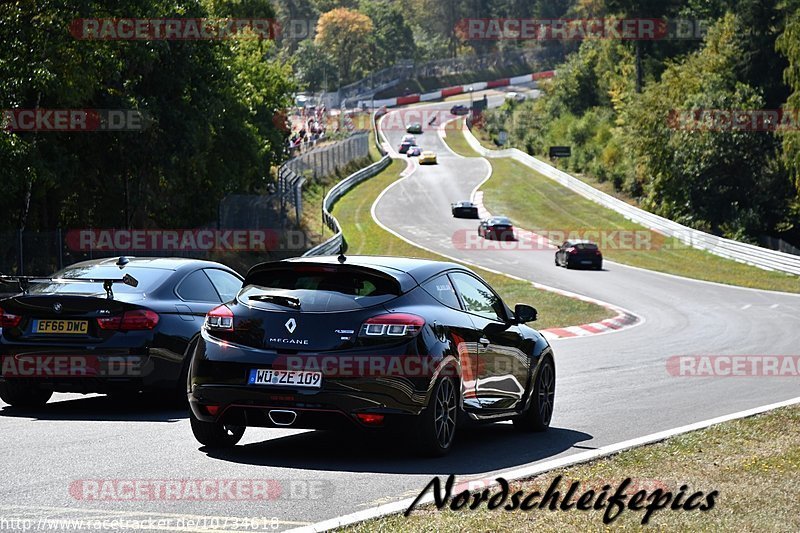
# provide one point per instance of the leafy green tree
(788, 44)
(392, 36)
(210, 105)
(723, 180)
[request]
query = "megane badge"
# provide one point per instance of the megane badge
(291, 325)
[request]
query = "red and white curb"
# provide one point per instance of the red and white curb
(623, 318)
(458, 89)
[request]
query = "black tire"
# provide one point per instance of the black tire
(23, 395)
(215, 435)
(540, 410)
(436, 425)
(556, 260)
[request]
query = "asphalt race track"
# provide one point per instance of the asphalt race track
(610, 388)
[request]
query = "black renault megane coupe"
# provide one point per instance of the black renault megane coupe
(368, 342)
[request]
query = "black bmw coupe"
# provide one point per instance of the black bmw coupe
(368, 342)
(116, 325)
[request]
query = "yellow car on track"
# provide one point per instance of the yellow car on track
(427, 158)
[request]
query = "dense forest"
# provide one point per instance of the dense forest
(210, 106)
(214, 108)
(703, 131)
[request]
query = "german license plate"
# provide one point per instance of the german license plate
(61, 327)
(586, 262)
(285, 378)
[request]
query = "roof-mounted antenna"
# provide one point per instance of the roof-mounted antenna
(122, 262)
(342, 250)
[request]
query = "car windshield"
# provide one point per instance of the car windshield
(586, 246)
(148, 278)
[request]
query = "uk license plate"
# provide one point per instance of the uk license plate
(285, 378)
(61, 327)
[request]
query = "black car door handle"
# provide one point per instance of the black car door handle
(484, 341)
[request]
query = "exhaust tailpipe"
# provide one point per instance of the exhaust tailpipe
(282, 417)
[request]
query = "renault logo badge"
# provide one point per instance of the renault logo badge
(291, 325)
(57, 307)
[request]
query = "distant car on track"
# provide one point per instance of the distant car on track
(404, 146)
(459, 109)
(464, 210)
(515, 96)
(286, 353)
(416, 127)
(413, 151)
(586, 254)
(497, 228)
(427, 157)
(99, 333)
(409, 138)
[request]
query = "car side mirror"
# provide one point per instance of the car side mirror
(525, 313)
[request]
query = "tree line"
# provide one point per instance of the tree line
(213, 115)
(349, 39)
(702, 131)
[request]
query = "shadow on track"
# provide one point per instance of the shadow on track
(126, 408)
(476, 450)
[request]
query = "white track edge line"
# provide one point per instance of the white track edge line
(639, 319)
(540, 468)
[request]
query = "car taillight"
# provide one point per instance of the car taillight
(8, 320)
(219, 319)
(597, 252)
(572, 251)
(392, 325)
(136, 320)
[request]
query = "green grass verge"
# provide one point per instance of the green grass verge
(535, 202)
(365, 237)
(754, 463)
(457, 142)
(314, 191)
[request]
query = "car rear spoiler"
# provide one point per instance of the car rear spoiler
(24, 282)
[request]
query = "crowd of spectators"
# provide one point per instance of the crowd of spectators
(309, 124)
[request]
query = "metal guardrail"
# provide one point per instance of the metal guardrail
(333, 245)
(727, 248)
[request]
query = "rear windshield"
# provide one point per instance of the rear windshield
(320, 289)
(586, 246)
(148, 278)
(500, 221)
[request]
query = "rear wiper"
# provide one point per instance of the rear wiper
(280, 299)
